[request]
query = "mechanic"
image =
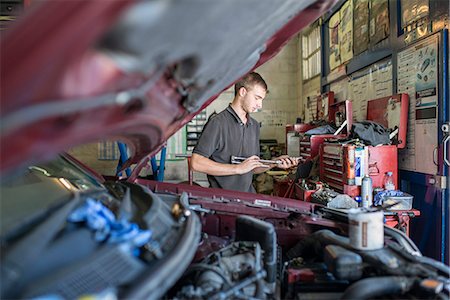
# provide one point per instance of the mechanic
(233, 132)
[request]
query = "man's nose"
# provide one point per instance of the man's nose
(259, 104)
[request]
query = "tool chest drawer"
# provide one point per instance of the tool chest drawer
(332, 166)
(310, 145)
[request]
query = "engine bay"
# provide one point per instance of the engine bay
(304, 255)
(158, 242)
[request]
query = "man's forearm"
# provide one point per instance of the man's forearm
(205, 165)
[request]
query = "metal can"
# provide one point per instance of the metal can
(366, 191)
(349, 157)
(360, 164)
(365, 229)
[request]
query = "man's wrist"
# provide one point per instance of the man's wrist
(236, 169)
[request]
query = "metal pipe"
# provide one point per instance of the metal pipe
(446, 116)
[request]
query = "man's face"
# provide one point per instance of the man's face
(253, 97)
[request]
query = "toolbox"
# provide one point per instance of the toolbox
(303, 194)
(295, 132)
(339, 162)
(338, 113)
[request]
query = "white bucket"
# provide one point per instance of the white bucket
(365, 229)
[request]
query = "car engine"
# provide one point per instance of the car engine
(144, 241)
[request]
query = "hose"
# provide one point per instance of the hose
(434, 263)
(403, 240)
(370, 288)
(202, 267)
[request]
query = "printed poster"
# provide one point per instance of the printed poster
(417, 77)
(414, 10)
(379, 20)
(346, 31)
(426, 74)
(335, 55)
(361, 26)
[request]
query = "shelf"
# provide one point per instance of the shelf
(193, 130)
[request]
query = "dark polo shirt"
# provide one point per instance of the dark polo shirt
(224, 136)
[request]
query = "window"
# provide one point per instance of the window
(311, 53)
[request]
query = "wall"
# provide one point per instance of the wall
(311, 89)
(88, 155)
(280, 106)
(281, 76)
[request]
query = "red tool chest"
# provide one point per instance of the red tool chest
(336, 158)
(310, 144)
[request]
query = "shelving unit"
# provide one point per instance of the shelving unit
(194, 129)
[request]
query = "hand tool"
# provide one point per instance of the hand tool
(238, 160)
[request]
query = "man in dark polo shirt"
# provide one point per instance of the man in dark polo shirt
(233, 132)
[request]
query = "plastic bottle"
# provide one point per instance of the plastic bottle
(389, 182)
(366, 191)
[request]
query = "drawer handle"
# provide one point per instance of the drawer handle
(372, 167)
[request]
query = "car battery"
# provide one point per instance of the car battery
(341, 114)
(342, 166)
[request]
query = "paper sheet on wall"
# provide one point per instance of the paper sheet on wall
(426, 74)
(426, 138)
(379, 21)
(414, 63)
(335, 55)
(272, 118)
(346, 31)
(361, 29)
(405, 84)
(370, 83)
(273, 123)
(340, 89)
(413, 10)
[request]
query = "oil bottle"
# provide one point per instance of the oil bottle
(366, 191)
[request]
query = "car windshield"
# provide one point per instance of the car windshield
(41, 187)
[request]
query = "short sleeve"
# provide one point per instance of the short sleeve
(257, 145)
(209, 139)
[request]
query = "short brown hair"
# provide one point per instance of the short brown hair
(250, 80)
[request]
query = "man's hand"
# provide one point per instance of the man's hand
(287, 162)
(250, 164)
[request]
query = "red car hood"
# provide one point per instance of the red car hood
(74, 72)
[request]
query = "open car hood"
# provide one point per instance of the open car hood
(74, 72)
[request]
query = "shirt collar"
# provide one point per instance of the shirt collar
(236, 117)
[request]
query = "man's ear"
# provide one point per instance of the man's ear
(242, 91)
